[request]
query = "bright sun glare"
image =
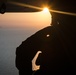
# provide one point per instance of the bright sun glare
(45, 10)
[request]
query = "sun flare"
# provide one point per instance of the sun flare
(45, 10)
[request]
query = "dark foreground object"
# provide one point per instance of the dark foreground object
(57, 44)
(58, 47)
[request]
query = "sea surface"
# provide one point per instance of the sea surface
(10, 38)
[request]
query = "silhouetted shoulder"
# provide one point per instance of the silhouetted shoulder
(56, 46)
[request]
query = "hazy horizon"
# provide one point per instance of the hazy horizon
(15, 28)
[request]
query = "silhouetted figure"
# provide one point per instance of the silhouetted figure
(50, 51)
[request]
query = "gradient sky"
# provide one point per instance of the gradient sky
(15, 28)
(26, 20)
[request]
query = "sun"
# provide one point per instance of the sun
(45, 10)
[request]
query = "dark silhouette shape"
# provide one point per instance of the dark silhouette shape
(3, 8)
(57, 44)
(58, 52)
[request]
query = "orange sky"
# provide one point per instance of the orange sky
(32, 20)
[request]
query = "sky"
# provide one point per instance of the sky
(37, 20)
(15, 28)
